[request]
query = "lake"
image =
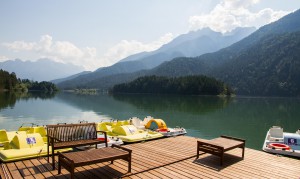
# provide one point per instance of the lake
(202, 116)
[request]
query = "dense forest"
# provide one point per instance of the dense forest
(10, 82)
(189, 85)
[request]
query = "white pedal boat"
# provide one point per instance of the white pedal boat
(282, 143)
(157, 125)
(110, 140)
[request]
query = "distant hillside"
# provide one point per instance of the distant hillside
(189, 45)
(269, 67)
(70, 77)
(41, 70)
(266, 63)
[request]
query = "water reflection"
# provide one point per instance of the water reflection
(9, 99)
(203, 116)
(40, 109)
(190, 104)
(209, 117)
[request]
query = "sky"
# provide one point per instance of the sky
(98, 33)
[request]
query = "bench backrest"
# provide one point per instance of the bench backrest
(72, 132)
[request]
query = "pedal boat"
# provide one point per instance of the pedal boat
(27, 142)
(126, 132)
(110, 140)
(157, 125)
(282, 143)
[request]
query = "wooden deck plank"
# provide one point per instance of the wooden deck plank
(13, 170)
(5, 172)
(1, 171)
(23, 170)
(170, 158)
(170, 173)
(190, 169)
(102, 172)
(42, 169)
(32, 169)
(275, 161)
(145, 164)
(166, 153)
(258, 167)
(48, 167)
(210, 166)
(112, 170)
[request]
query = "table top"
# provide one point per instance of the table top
(94, 154)
(227, 143)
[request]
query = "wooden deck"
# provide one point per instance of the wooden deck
(167, 158)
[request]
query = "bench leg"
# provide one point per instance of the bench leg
(48, 150)
(112, 162)
(53, 160)
(59, 164)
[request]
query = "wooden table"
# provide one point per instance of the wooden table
(75, 159)
(220, 145)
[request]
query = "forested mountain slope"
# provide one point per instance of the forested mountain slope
(190, 45)
(266, 63)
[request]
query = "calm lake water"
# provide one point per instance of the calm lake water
(202, 116)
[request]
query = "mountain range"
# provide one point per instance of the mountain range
(40, 70)
(265, 63)
(187, 45)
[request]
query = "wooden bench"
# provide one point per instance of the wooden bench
(62, 136)
(75, 159)
(219, 146)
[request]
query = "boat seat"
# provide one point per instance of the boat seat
(147, 119)
(276, 134)
(137, 123)
(104, 127)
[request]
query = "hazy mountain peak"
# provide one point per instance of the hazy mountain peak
(240, 30)
(41, 70)
(192, 44)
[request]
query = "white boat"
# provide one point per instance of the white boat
(110, 140)
(282, 143)
(157, 125)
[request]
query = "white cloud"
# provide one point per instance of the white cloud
(3, 58)
(125, 48)
(67, 52)
(62, 51)
(20, 45)
(46, 43)
(229, 14)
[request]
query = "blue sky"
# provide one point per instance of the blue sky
(99, 33)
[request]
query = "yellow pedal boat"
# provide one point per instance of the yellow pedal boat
(27, 142)
(126, 132)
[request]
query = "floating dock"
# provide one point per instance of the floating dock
(173, 157)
